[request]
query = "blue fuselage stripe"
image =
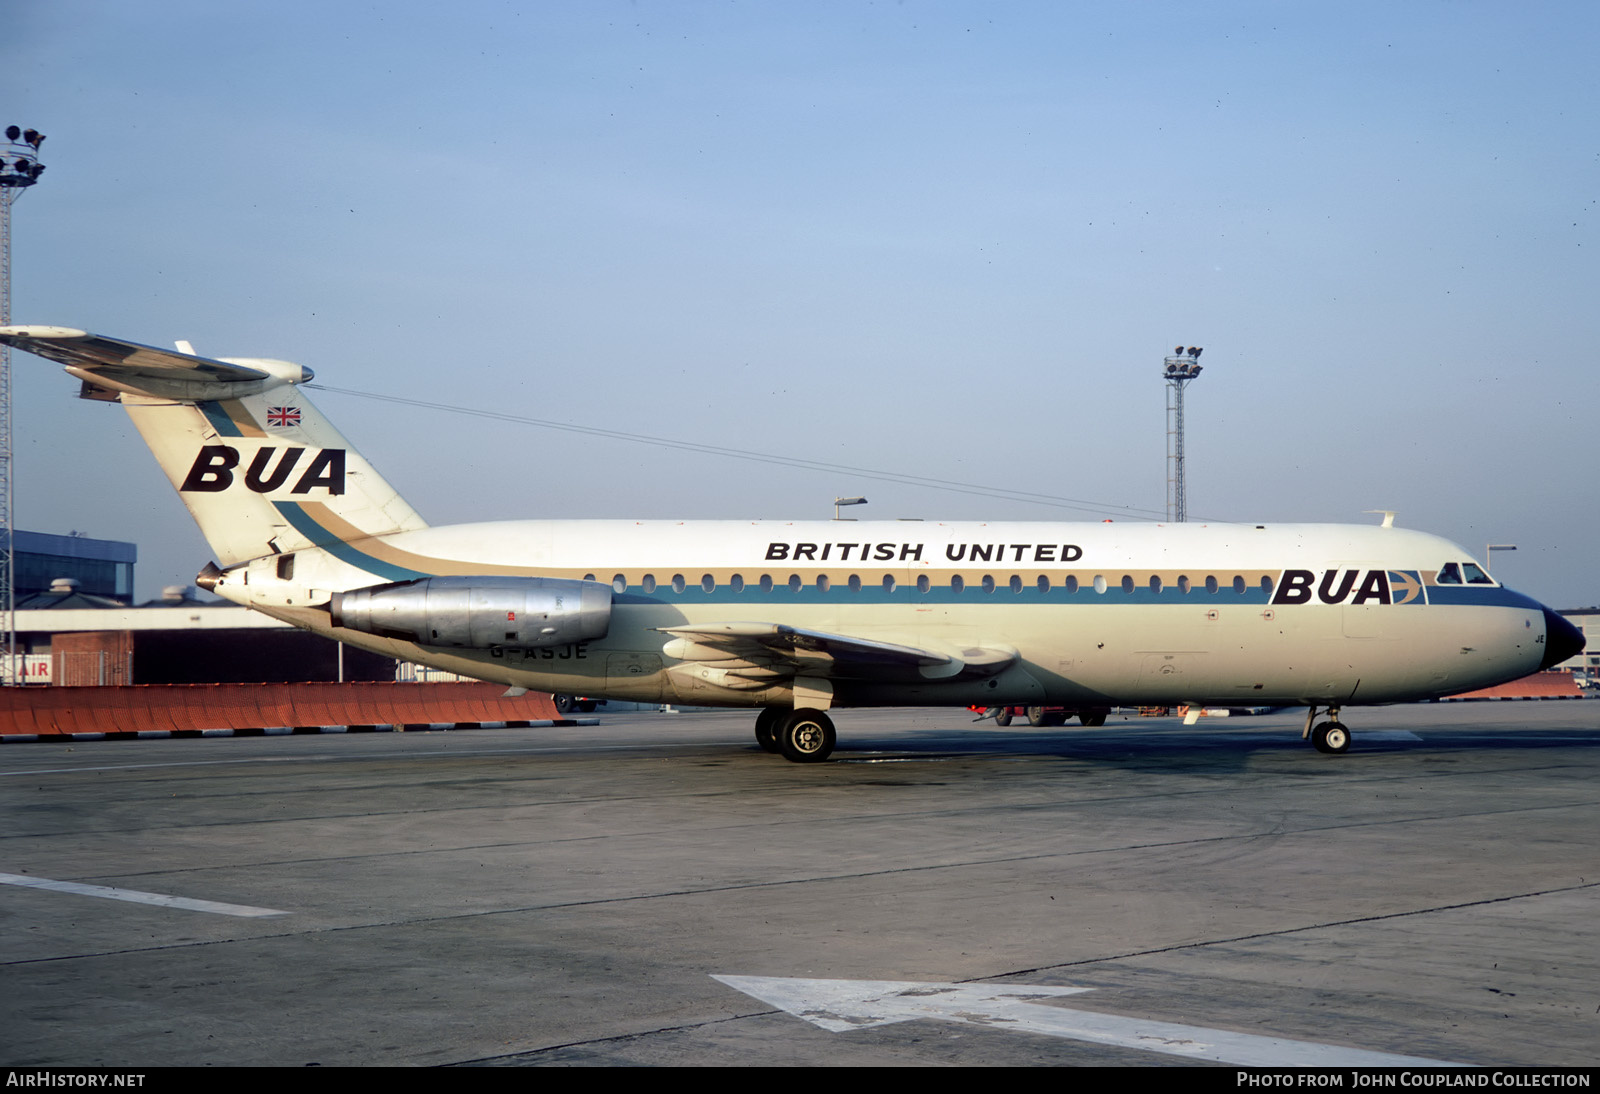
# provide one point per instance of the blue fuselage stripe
(344, 552)
(219, 420)
(938, 594)
(1492, 596)
(1084, 595)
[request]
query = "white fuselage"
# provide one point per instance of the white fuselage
(1095, 613)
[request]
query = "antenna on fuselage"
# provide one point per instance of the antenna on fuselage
(1388, 516)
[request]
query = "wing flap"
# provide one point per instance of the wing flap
(764, 651)
(759, 642)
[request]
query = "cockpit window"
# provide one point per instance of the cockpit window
(1449, 574)
(1476, 576)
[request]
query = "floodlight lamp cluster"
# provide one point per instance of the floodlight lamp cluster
(19, 159)
(1183, 364)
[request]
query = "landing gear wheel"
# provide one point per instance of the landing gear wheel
(1331, 737)
(767, 727)
(1037, 717)
(806, 736)
(563, 704)
(1004, 717)
(1093, 718)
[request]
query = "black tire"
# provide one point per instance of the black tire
(1037, 717)
(1331, 737)
(1003, 718)
(1056, 718)
(1093, 718)
(806, 736)
(767, 727)
(563, 703)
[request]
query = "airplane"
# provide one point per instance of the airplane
(796, 618)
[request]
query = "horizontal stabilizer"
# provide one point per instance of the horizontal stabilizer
(132, 368)
(259, 468)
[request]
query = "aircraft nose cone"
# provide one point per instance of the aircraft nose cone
(1561, 640)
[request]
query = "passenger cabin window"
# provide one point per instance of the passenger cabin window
(956, 584)
(888, 583)
(1183, 583)
(1211, 583)
(1238, 584)
(988, 583)
(766, 583)
(1016, 583)
(1155, 583)
(1044, 583)
(1449, 574)
(822, 583)
(794, 583)
(922, 583)
(736, 582)
(619, 584)
(707, 583)
(649, 583)
(1474, 575)
(678, 584)
(1127, 583)
(855, 583)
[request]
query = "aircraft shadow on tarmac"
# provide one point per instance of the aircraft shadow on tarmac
(1174, 748)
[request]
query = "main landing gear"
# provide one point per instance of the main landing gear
(1330, 736)
(802, 736)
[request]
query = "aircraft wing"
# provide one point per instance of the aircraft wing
(120, 360)
(762, 653)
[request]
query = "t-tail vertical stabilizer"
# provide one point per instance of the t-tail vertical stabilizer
(257, 465)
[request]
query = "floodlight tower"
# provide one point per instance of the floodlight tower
(19, 169)
(1177, 370)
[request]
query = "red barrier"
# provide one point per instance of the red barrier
(187, 706)
(1541, 685)
(25, 722)
(53, 711)
(138, 716)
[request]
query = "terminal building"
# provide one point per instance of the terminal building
(76, 625)
(101, 567)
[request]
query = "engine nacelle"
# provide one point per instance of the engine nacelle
(479, 613)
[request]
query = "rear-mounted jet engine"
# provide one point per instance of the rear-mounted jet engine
(479, 613)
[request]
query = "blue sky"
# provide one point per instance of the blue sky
(947, 239)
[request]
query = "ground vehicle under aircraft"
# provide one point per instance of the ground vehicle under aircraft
(1042, 716)
(796, 618)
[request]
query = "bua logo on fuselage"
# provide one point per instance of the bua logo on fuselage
(213, 469)
(1336, 586)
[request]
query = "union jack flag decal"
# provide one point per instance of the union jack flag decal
(283, 415)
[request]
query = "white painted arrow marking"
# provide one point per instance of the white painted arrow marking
(840, 1005)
